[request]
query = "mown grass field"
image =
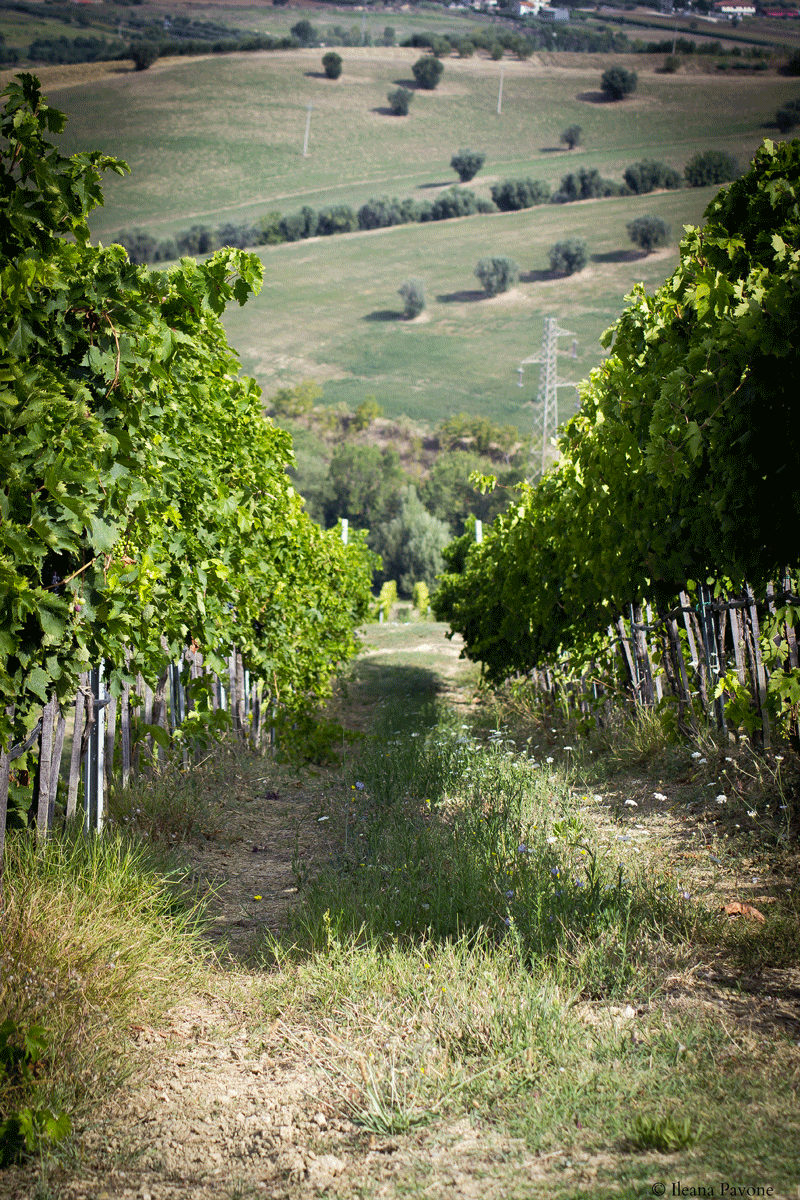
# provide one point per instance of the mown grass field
(220, 139)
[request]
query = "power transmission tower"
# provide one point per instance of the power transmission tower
(545, 409)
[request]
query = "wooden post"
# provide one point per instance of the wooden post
(42, 778)
(760, 674)
(5, 780)
(233, 691)
(628, 659)
(111, 737)
(77, 747)
(125, 731)
(55, 765)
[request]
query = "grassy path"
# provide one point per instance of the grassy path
(459, 966)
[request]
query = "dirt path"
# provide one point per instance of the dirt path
(230, 1102)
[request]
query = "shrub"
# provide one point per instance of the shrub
(496, 52)
(421, 598)
(332, 62)
(586, 185)
(514, 194)
(339, 218)
(197, 240)
(388, 36)
(648, 232)
(709, 167)
(411, 545)
(671, 63)
(647, 175)
(144, 54)
(413, 293)
(465, 48)
(792, 67)
(381, 212)
(497, 274)
(442, 47)
(302, 224)
(571, 136)
(455, 202)
(467, 163)
(427, 72)
(399, 101)
(618, 82)
(568, 256)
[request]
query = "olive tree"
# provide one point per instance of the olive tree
(618, 82)
(427, 72)
(497, 274)
(710, 167)
(413, 294)
(568, 256)
(648, 232)
(399, 101)
(571, 136)
(332, 62)
(467, 163)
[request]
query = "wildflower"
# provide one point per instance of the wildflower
(721, 799)
(569, 748)
(778, 758)
(554, 870)
(631, 804)
(509, 895)
(659, 796)
(696, 754)
(522, 848)
(549, 759)
(359, 786)
(597, 799)
(507, 921)
(256, 897)
(700, 761)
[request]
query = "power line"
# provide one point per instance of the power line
(545, 409)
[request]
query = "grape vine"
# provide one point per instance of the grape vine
(144, 502)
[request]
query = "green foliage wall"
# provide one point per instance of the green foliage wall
(144, 497)
(681, 463)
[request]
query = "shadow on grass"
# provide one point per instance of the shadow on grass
(595, 98)
(316, 75)
(407, 693)
(383, 110)
(553, 150)
(463, 296)
(384, 314)
(444, 183)
(618, 256)
(535, 276)
(410, 85)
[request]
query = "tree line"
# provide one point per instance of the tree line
(379, 212)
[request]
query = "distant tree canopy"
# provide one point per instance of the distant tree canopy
(648, 232)
(788, 115)
(649, 175)
(568, 256)
(618, 82)
(399, 101)
(427, 72)
(467, 163)
(514, 194)
(571, 136)
(412, 292)
(144, 54)
(497, 274)
(411, 544)
(305, 33)
(363, 485)
(585, 185)
(710, 167)
(332, 64)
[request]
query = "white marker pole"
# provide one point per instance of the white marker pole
(308, 128)
(500, 95)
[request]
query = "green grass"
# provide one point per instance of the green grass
(447, 969)
(234, 127)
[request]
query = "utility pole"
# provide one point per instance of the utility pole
(545, 413)
(308, 129)
(500, 94)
